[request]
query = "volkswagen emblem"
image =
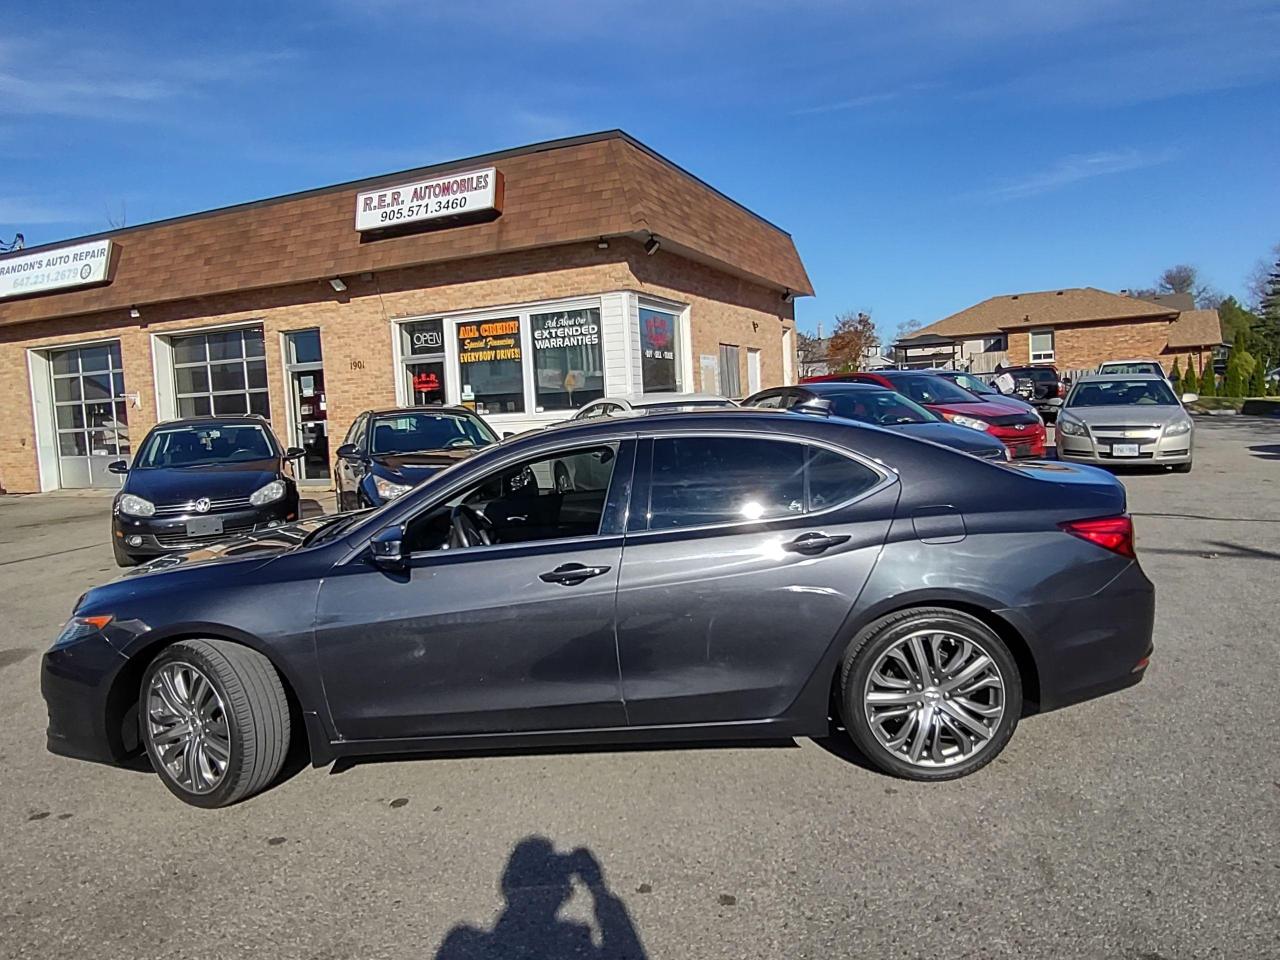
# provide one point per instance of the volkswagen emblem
(202, 505)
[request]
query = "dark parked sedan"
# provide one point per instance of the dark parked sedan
(197, 481)
(388, 452)
(868, 403)
(734, 574)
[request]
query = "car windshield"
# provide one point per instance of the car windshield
(883, 407)
(927, 388)
(1121, 393)
(417, 432)
(191, 446)
(1127, 368)
(969, 382)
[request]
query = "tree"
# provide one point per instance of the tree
(1233, 383)
(1181, 278)
(1267, 329)
(852, 338)
(1238, 324)
(1208, 379)
(906, 329)
(1257, 382)
(1175, 375)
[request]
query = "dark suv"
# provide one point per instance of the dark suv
(1047, 388)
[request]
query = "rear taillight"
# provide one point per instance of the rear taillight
(1110, 533)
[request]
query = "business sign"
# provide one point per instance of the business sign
(489, 341)
(475, 191)
(80, 265)
(573, 328)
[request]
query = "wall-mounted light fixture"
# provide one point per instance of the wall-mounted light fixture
(135, 313)
(788, 296)
(337, 284)
(602, 244)
(652, 245)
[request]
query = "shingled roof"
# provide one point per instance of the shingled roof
(1195, 328)
(1046, 308)
(563, 191)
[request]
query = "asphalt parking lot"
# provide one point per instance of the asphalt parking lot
(1145, 825)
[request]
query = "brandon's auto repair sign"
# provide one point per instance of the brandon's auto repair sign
(475, 191)
(57, 269)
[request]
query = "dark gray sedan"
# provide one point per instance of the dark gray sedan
(727, 574)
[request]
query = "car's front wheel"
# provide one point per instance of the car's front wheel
(215, 721)
(930, 693)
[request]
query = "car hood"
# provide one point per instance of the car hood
(1127, 414)
(949, 435)
(223, 481)
(982, 409)
(260, 545)
(416, 467)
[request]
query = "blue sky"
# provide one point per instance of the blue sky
(924, 154)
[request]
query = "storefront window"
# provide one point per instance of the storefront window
(490, 358)
(422, 350)
(568, 370)
(658, 351)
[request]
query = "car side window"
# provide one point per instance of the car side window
(770, 402)
(702, 480)
(551, 497)
(351, 430)
(835, 478)
(358, 429)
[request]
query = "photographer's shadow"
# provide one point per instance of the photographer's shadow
(537, 883)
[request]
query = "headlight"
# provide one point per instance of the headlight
(272, 492)
(1072, 428)
(973, 423)
(78, 628)
(135, 506)
(1177, 428)
(388, 490)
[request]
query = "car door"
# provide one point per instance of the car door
(513, 636)
(347, 472)
(744, 556)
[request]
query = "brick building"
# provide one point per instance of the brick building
(1073, 329)
(523, 284)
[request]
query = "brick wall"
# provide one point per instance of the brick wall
(1084, 346)
(356, 328)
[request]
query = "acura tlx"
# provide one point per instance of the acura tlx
(718, 574)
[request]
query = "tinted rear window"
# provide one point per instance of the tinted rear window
(704, 480)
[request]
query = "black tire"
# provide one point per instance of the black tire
(875, 638)
(256, 713)
(123, 559)
(1182, 467)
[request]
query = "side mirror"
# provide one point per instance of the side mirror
(1186, 398)
(118, 466)
(387, 549)
(294, 453)
(348, 451)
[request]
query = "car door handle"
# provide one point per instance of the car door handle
(811, 543)
(571, 573)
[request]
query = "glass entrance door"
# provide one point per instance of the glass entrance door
(91, 415)
(308, 408)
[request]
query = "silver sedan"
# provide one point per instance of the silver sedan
(1135, 419)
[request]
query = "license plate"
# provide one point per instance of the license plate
(204, 526)
(1124, 449)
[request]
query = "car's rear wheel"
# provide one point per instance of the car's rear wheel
(215, 721)
(930, 693)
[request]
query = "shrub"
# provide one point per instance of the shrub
(1208, 380)
(1233, 383)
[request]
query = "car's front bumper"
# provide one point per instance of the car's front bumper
(77, 682)
(1100, 450)
(1022, 443)
(142, 537)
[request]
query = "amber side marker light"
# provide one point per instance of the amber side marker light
(1110, 533)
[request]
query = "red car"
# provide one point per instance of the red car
(1021, 430)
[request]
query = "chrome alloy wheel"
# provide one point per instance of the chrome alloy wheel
(187, 727)
(934, 698)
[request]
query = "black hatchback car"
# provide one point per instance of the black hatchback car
(199, 480)
(389, 452)
(729, 574)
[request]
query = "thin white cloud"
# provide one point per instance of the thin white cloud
(1075, 168)
(865, 99)
(20, 211)
(61, 80)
